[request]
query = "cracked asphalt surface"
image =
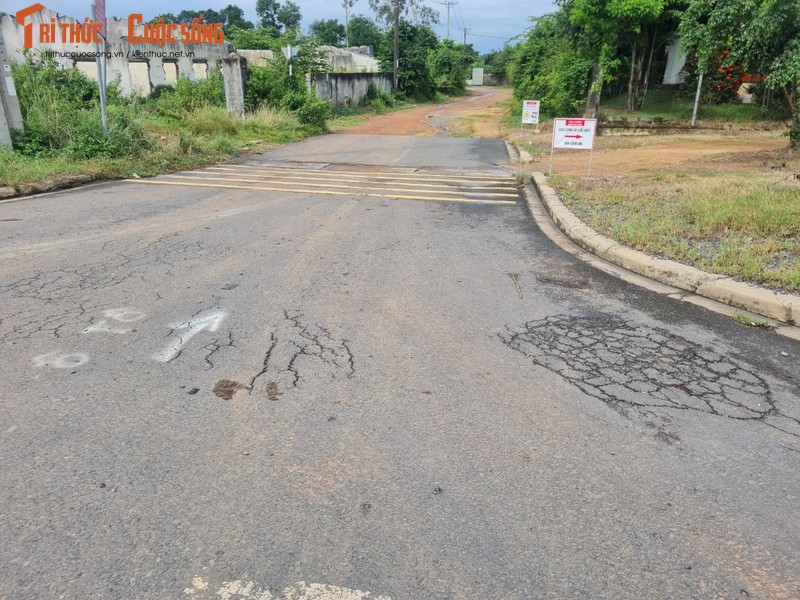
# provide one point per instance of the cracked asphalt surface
(221, 392)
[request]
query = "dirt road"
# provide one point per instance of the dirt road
(480, 115)
(441, 119)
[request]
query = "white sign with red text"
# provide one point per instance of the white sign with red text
(574, 134)
(530, 112)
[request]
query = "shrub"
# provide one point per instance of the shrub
(315, 112)
(377, 98)
(188, 96)
(212, 120)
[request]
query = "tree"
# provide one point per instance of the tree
(329, 32)
(363, 31)
(763, 34)
(604, 24)
(415, 43)
(347, 5)
(391, 11)
(449, 65)
(233, 16)
(546, 66)
(289, 15)
(267, 11)
(254, 39)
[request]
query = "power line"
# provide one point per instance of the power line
(491, 36)
(460, 17)
(448, 4)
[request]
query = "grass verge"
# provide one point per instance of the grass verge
(742, 224)
(207, 135)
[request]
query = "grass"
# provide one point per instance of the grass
(742, 224)
(667, 103)
(749, 321)
(208, 135)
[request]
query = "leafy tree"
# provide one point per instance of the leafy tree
(496, 61)
(289, 15)
(763, 34)
(363, 31)
(329, 31)
(603, 25)
(546, 67)
(254, 39)
(166, 18)
(233, 16)
(391, 11)
(415, 42)
(267, 11)
(448, 67)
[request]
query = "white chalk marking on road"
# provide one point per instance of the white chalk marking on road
(248, 590)
(184, 332)
(198, 585)
(61, 361)
(318, 591)
(123, 315)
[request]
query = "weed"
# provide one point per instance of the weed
(749, 321)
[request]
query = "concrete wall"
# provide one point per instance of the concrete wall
(139, 67)
(350, 60)
(477, 77)
(256, 58)
(345, 89)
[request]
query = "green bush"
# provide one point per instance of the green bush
(315, 112)
(187, 96)
(61, 112)
(267, 85)
(212, 120)
(377, 98)
(125, 135)
(448, 67)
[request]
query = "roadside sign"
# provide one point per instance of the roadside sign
(100, 16)
(574, 134)
(530, 112)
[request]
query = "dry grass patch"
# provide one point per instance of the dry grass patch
(742, 224)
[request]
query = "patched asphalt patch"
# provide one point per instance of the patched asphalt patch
(627, 365)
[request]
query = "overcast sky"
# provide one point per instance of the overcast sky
(482, 18)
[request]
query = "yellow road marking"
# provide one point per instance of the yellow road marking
(329, 192)
(348, 187)
(304, 177)
(449, 177)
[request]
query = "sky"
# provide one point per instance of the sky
(489, 22)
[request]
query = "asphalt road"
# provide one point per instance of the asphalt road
(354, 368)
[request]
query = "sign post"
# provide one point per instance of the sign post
(530, 112)
(573, 134)
(289, 53)
(99, 16)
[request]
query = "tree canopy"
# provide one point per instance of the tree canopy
(328, 31)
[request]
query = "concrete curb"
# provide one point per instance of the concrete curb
(781, 307)
(65, 182)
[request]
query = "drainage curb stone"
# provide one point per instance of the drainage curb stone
(781, 307)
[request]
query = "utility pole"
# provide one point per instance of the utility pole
(448, 4)
(396, 8)
(465, 37)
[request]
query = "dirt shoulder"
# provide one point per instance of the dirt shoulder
(440, 119)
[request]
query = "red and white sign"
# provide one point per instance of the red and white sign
(99, 14)
(574, 134)
(530, 112)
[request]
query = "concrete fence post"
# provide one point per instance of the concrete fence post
(233, 75)
(10, 113)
